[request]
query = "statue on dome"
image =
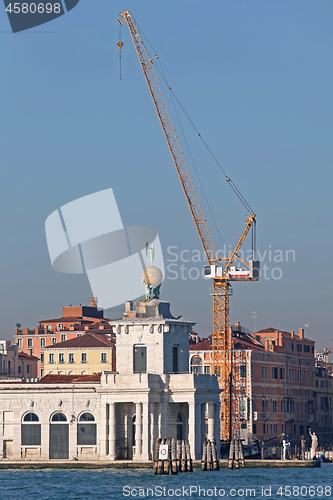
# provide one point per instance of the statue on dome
(152, 276)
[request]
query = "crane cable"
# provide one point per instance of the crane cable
(230, 182)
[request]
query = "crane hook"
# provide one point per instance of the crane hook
(120, 45)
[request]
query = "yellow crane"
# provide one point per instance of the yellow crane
(221, 275)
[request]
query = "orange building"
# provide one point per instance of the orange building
(74, 322)
(273, 382)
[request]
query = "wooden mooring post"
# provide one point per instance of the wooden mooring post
(209, 459)
(172, 456)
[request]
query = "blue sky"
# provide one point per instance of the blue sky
(256, 78)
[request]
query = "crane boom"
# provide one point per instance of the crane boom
(222, 341)
(171, 138)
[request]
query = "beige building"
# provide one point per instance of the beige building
(84, 355)
(15, 364)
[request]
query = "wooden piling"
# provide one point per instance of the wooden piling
(157, 449)
(174, 468)
(189, 467)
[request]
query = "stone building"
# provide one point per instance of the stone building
(116, 414)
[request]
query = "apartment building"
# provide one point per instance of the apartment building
(74, 322)
(85, 355)
(15, 364)
(273, 382)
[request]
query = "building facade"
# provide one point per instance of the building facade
(74, 322)
(85, 355)
(116, 415)
(15, 364)
(273, 382)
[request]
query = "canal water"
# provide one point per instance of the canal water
(105, 484)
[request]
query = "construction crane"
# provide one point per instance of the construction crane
(222, 274)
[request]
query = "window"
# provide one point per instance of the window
(274, 406)
(139, 359)
(63, 337)
(59, 417)
(19, 343)
(9, 367)
(54, 340)
(51, 358)
(196, 364)
(175, 359)
(84, 358)
(19, 369)
(42, 373)
(86, 430)
(28, 368)
(254, 428)
(79, 335)
(274, 372)
(30, 430)
(29, 342)
(59, 326)
(179, 427)
(292, 347)
(71, 357)
(42, 357)
(42, 342)
(242, 371)
(263, 372)
(61, 357)
(104, 357)
(207, 369)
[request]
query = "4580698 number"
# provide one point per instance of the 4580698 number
(33, 8)
(304, 491)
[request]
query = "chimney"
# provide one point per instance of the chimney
(237, 326)
(93, 302)
(128, 306)
(292, 334)
(301, 333)
(266, 345)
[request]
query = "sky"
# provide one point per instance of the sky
(256, 79)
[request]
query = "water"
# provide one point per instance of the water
(105, 484)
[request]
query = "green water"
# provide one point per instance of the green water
(104, 484)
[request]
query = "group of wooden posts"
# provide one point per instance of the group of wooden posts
(172, 456)
(209, 456)
(236, 457)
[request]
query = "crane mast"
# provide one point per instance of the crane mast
(222, 342)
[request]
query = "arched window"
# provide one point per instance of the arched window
(196, 364)
(59, 417)
(179, 426)
(30, 430)
(86, 430)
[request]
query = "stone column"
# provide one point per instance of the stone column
(146, 431)
(112, 429)
(217, 426)
(72, 439)
(138, 431)
(45, 437)
(191, 428)
(198, 431)
(16, 437)
(1, 435)
(210, 413)
(103, 432)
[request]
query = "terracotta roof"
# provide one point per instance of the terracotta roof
(205, 345)
(67, 379)
(72, 319)
(25, 355)
(87, 340)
